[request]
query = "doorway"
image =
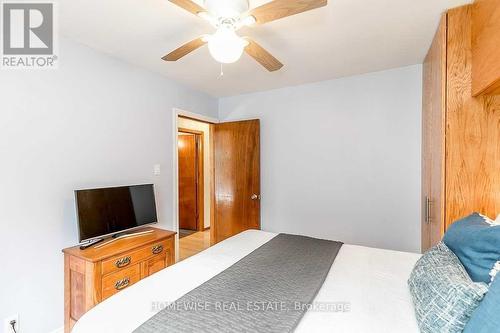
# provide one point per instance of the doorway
(216, 180)
(194, 184)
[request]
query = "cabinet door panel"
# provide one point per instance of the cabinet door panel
(156, 264)
(433, 139)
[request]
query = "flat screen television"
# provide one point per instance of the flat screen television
(108, 211)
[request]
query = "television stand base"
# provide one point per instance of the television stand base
(122, 236)
(91, 243)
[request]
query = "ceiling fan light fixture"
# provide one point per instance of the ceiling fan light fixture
(249, 20)
(226, 8)
(228, 16)
(226, 46)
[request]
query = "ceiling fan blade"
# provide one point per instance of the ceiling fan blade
(265, 58)
(189, 5)
(185, 49)
(278, 9)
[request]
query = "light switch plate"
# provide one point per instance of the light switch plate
(157, 169)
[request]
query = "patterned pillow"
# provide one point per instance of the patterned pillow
(443, 293)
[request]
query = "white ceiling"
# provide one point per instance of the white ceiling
(345, 38)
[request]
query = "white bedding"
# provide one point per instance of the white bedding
(372, 281)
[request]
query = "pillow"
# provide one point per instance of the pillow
(485, 318)
(476, 243)
(443, 293)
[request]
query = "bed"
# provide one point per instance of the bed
(369, 284)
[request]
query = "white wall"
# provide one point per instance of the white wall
(95, 121)
(205, 128)
(341, 158)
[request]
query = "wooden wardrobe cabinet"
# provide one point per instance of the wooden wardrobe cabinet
(461, 133)
(94, 274)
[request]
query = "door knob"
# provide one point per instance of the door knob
(255, 197)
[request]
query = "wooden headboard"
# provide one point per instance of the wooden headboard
(473, 128)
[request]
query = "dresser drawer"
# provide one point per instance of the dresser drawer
(156, 264)
(133, 257)
(114, 282)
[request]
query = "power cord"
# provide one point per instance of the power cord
(13, 324)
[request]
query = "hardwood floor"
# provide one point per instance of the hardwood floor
(193, 244)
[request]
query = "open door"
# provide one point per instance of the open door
(237, 178)
(188, 182)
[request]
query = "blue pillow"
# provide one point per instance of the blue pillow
(485, 318)
(477, 244)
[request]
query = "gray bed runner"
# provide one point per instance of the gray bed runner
(263, 292)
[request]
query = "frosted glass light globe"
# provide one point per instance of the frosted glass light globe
(225, 46)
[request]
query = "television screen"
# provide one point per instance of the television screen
(107, 211)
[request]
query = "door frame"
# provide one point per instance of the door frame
(200, 175)
(175, 167)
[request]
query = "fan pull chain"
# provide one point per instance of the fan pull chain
(221, 71)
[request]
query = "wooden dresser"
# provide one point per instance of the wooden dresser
(94, 274)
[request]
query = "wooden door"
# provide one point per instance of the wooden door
(188, 179)
(433, 139)
(237, 178)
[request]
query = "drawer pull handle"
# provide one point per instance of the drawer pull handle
(157, 249)
(119, 285)
(123, 262)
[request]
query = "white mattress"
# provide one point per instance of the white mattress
(371, 281)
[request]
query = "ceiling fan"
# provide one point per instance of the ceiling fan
(228, 16)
